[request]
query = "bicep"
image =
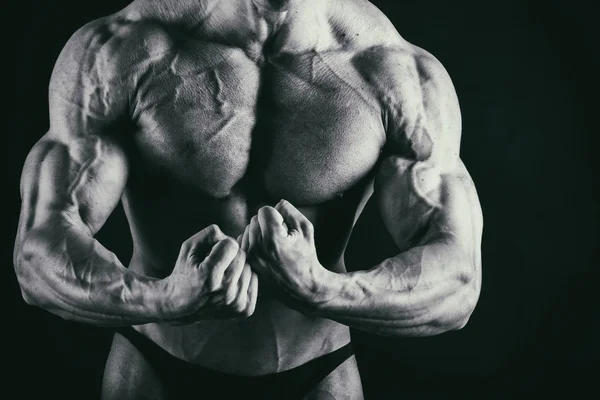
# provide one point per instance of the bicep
(423, 189)
(77, 172)
(78, 182)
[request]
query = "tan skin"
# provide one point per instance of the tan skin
(200, 116)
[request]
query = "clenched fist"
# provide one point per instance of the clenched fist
(211, 280)
(281, 246)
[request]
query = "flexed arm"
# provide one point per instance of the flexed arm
(72, 180)
(429, 205)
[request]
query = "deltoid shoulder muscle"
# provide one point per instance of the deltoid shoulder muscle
(90, 77)
(196, 103)
(79, 168)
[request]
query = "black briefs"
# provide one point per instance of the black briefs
(184, 380)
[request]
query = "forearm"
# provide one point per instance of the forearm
(424, 291)
(72, 275)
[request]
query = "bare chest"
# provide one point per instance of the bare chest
(301, 127)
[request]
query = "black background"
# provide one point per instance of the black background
(525, 73)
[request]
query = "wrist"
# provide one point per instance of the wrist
(163, 304)
(327, 287)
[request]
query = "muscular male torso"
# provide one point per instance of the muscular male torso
(225, 121)
(207, 111)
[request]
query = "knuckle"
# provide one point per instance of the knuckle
(307, 225)
(284, 203)
(230, 244)
(212, 228)
(240, 305)
(187, 246)
(248, 312)
(266, 211)
(213, 232)
(230, 297)
(237, 308)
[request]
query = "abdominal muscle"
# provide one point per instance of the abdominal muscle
(275, 338)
